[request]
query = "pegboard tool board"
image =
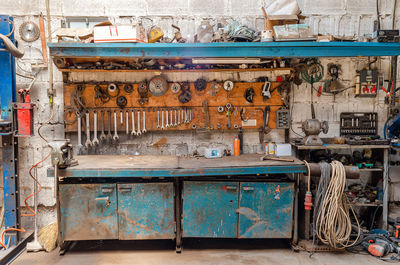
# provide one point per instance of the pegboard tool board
(252, 112)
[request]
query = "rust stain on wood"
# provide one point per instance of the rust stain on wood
(163, 141)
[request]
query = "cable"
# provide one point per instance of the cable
(40, 186)
(333, 224)
(38, 183)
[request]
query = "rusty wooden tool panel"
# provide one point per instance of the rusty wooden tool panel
(169, 101)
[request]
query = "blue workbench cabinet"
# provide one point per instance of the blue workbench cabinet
(209, 209)
(266, 210)
(146, 211)
(88, 211)
(238, 209)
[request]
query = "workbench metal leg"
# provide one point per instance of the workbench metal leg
(178, 214)
(385, 188)
(296, 209)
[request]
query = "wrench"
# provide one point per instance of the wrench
(162, 119)
(158, 118)
(170, 119)
(102, 135)
(186, 116)
(166, 116)
(127, 122)
(80, 146)
(95, 141)
(139, 132)
(88, 143)
(121, 116)
(133, 123)
(109, 135)
(179, 116)
(176, 123)
(115, 137)
(144, 122)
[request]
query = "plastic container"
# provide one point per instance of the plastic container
(213, 152)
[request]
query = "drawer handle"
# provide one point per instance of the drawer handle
(105, 199)
(231, 187)
(107, 190)
(248, 188)
(125, 189)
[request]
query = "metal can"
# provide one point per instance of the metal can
(266, 148)
(271, 148)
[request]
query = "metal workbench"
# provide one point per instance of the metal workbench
(169, 197)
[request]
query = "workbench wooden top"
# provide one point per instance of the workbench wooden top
(124, 166)
(174, 162)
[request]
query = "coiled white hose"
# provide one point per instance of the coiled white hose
(333, 225)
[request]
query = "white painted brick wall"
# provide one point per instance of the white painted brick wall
(340, 18)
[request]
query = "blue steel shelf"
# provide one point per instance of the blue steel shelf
(232, 49)
(171, 173)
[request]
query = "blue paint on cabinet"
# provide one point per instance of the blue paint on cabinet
(88, 211)
(146, 211)
(266, 210)
(209, 209)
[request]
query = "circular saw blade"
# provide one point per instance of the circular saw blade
(29, 31)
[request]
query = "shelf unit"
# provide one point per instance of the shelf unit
(302, 149)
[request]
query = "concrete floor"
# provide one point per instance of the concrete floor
(114, 252)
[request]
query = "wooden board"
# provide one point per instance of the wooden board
(108, 162)
(254, 111)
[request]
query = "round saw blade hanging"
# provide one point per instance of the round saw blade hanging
(29, 31)
(158, 85)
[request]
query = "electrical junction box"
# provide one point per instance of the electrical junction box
(369, 83)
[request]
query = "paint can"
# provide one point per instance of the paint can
(271, 148)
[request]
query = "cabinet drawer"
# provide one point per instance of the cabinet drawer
(266, 210)
(146, 211)
(209, 209)
(88, 211)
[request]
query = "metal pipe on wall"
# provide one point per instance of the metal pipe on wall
(50, 91)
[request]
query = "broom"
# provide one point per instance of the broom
(48, 236)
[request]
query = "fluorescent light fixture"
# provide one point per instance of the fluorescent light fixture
(226, 60)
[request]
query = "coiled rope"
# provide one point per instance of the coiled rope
(332, 222)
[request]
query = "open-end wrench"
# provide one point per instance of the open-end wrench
(158, 118)
(121, 116)
(95, 141)
(102, 135)
(166, 119)
(179, 116)
(80, 146)
(176, 122)
(139, 132)
(182, 120)
(186, 116)
(144, 122)
(127, 122)
(170, 119)
(162, 119)
(88, 143)
(133, 123)
(109, 135)
(115, 137)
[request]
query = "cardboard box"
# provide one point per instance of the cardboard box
(279, 20)
(106, 32)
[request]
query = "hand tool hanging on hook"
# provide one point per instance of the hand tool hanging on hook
(95, 141)
(88, 143)
(115, 137)
(109, 135)
(139, 132)
(102, 135)
(133, 123)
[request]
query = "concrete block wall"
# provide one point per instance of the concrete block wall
(340, 18)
